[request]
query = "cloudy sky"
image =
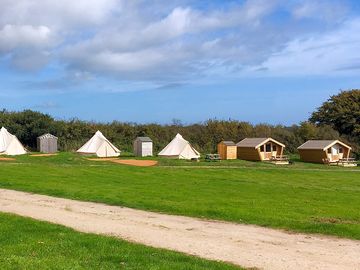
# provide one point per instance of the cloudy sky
(269, 61)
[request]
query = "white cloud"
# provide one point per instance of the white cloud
(328, 10)
(187, 20)
(59, 14)
(170, 40)
(334, 52)
(26, 46)
(176, 44)
(46, 105)
(24, 36)
(32, 30)
(160, 63)
(29, 60)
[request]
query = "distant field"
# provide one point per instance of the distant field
(29, 244)
(300, 197)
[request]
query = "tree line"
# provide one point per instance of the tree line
(337, 118)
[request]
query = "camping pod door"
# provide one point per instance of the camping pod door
(335, 153)
(268, 151)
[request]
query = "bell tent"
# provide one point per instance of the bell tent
(9, 144)
(100, 146)
(179, 148)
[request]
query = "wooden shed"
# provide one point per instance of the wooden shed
(324, 151)
(227, 150)
(260, 149)
(143, 146)
(47, 143)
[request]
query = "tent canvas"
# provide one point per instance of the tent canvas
(9, 144)
(100, 146)
(179, 148)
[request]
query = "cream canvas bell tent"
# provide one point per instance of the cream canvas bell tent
(100, 146)
(9, 144)
(179, 148)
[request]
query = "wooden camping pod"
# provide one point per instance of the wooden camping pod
(259, 149)
(324, 151)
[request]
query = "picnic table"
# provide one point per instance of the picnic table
(283, 159)
(350, 162)
(345, 162)
(212, 157)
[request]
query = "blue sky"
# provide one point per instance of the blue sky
(154, 61)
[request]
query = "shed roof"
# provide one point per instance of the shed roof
(47, 136)
(228, 143)
(256, 142)
(321, 144)
(144, 139)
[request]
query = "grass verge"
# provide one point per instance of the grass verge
(29, 244)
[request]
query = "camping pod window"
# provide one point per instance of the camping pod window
(340, 150)
(274, 148)
(268, 147)
(329, 150)
(262, 148)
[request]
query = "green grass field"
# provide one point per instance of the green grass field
(29, 244)
(300, 197)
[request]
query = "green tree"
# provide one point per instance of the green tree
(341, 112)
(307, 131)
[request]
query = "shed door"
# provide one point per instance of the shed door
(147, 149)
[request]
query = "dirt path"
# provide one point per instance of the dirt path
(135, 162)
(245, 245)
(7, 159)
(43, 155)
(132, 162)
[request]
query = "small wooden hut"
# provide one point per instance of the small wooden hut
(227, 150)
(47, 143)
(261, 149)
(143, 146)
(324, 151)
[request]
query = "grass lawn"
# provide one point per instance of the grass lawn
(29, 244)
(301, 197)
